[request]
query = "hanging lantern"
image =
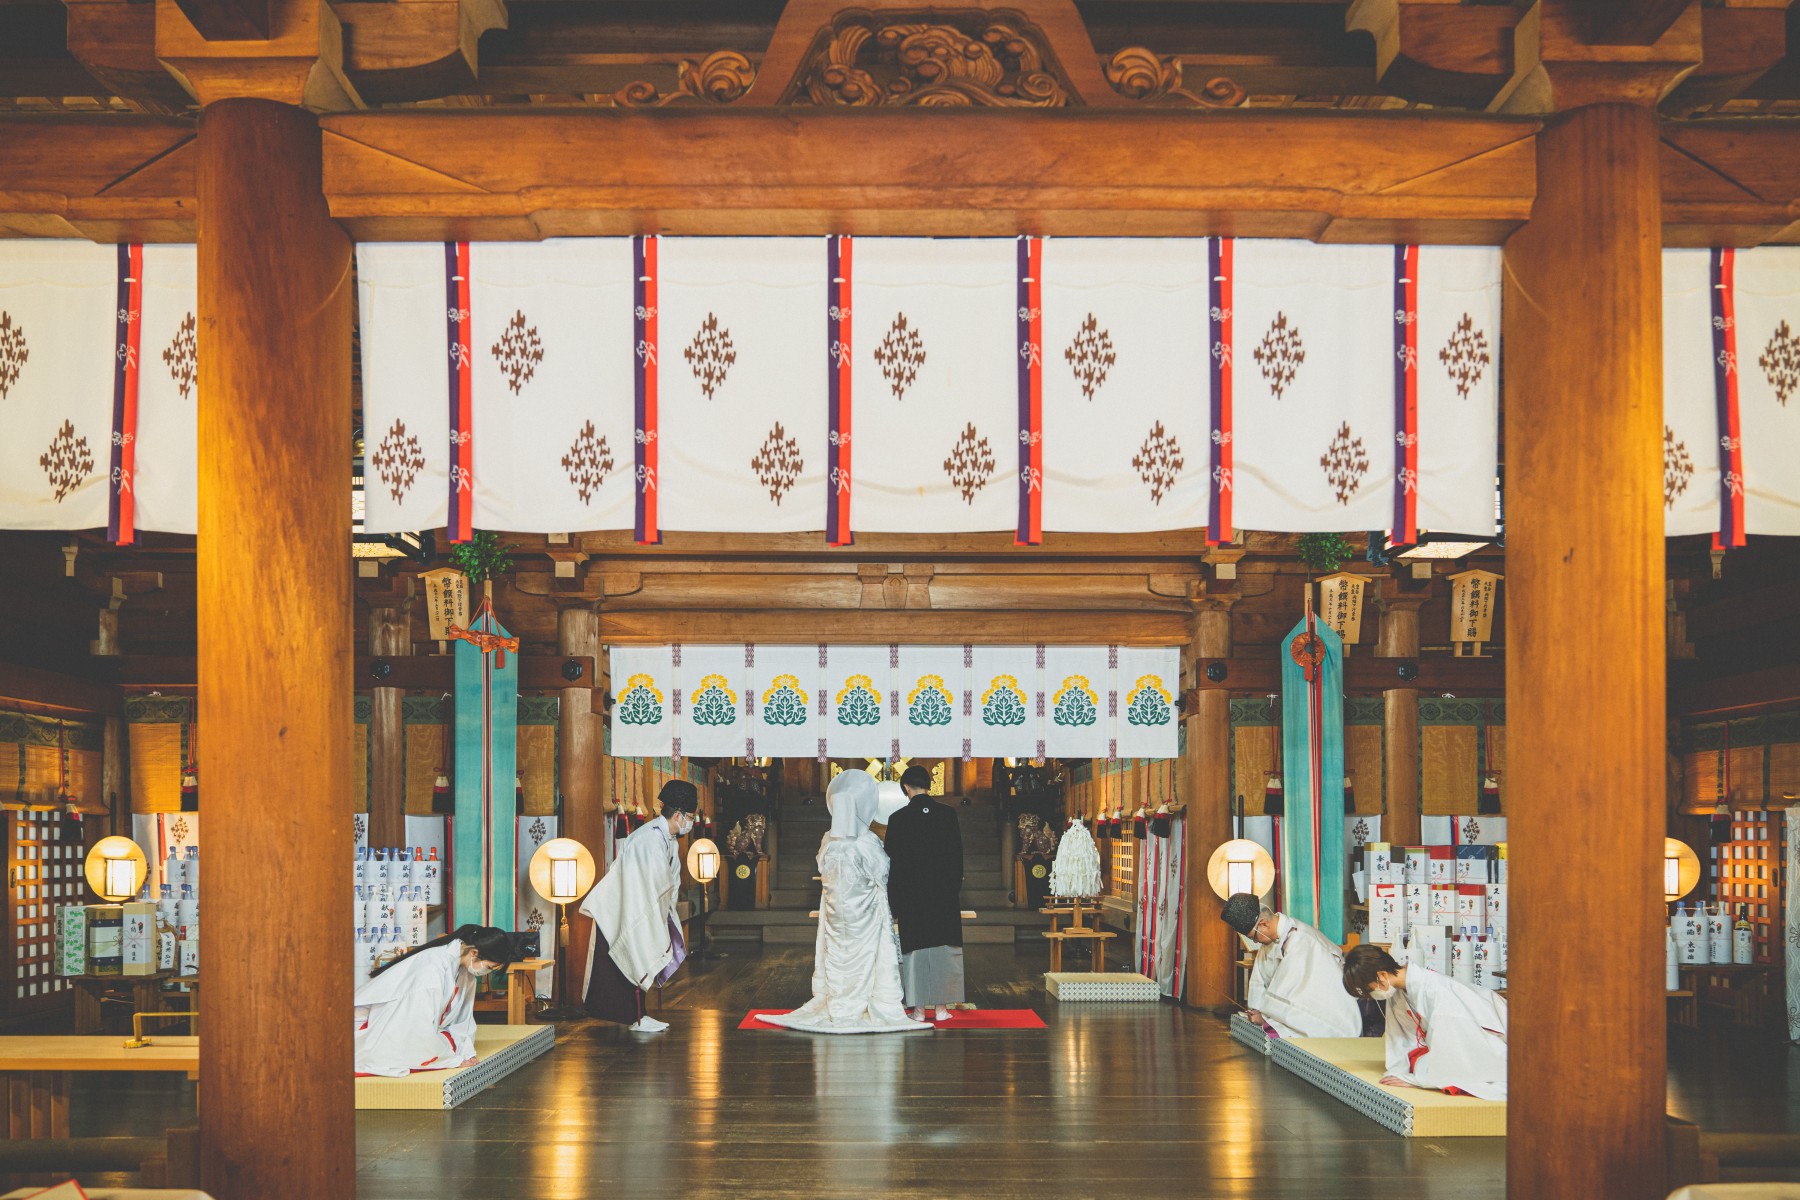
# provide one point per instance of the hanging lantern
(1274, 800)
(442, 803)
(190, 789)
(1489, 804)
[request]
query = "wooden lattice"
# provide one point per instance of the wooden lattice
(1746, 873)
(44, 870)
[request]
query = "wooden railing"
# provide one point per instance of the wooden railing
(1701, 1156)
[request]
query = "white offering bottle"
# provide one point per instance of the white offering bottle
(1718, 934)
(1743, 941)
(1462, 965)
(1672, 970)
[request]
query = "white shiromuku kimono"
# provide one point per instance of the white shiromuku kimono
(633, 906)
(1443, 1034)
(418, 1015)
(856, 962)
(1297, 984)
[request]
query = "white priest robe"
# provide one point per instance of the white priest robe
(418, 1015)
(856, 961)
(1445, 1034)
(633, 905)
(1297, 984)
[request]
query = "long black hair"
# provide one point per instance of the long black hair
(494, 945)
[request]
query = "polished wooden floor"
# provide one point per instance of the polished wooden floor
(1109, 1101)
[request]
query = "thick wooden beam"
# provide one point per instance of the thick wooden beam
(520, 176)
(276, 1079)
(931, 171)
(1586, 731)
(879, 626)
(1207, 791)
(405, 672)
(581, 762)
(1399, 640)
(55, 690)
(390, 638)
(1260, 673)
(1768, 688)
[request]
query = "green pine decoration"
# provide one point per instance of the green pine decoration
(1324, 553)
(482, 557)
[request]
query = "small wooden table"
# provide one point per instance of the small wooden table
(521, 987)
(146, 995)
(1076, 911)
(35, 1071)
(1096, 937)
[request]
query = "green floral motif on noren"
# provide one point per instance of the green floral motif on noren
(1003, 703)
(715, 703)
(1148, 703)
(858, 703)
(641, 703)
(1075, 704)
(784, 703)
(929, 709)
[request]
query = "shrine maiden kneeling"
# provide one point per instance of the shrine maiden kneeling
(1297, 984)
(1441, 1034)
(417, 1013)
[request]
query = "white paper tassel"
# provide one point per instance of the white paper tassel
(1077, 868)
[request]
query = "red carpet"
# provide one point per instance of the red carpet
(980, 1018)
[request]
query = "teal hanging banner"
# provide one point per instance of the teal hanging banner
(487, 755)
(1312, 755)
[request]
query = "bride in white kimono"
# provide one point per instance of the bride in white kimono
(417, 1013)
(856, 962)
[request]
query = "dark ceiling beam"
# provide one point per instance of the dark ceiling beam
(1628, 22)
(229, 20)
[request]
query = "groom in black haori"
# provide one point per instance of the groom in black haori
(924, 844)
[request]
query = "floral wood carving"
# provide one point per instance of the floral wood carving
(1780, 362)
(1146, 76)
(1091, 356)
(778, 463)
(1345, 463)
(1465, 356)
(937, 58)
(971, 463)
(900, 355)
(711, 355)
(398, 460)
(67, 461)
(1280, 354)
(722, 77)
(1678, 467)
(1159, 462)
(180, 357)
(13, 353)
(519, 351)
(588, 463)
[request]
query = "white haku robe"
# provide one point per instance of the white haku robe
(856, 961)
(1443, 1034)
(633, 905)
(1297, 984)
(418, 1015)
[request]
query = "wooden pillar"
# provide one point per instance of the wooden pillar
(115, 782)
(390, 636)
(1212, 949)
(580, 767)
(1583, 346)
(1399, 638)
(276, 1076)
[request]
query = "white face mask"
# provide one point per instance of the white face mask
(1379, 994)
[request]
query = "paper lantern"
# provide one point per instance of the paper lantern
(561, 870)
(116, 869)
(703, 860)
(1681, 869)
(1240, 865)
